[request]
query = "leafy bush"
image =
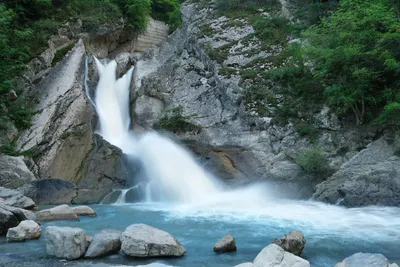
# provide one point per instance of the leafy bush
(174, 121)
(390, 115)
(307, 130)
(312, 161)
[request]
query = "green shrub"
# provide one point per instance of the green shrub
(226, 71)
(308, 130)
(312, 161)
(173, 120)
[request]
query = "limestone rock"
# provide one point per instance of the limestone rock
(366, 259)
(104, 243)
(293, 242)
(14, 198)
(30, 215)
(84, 211)
(65, 242)
(10, 217)
(226, 244)
(54, 191)
(140, 240)
(371, 177)
(26, 230)
(274, 256)
(62, 212)
(147, 110)
(14, 173)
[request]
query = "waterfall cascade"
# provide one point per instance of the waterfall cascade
(172, 172)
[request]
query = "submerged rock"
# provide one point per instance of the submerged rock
(275, 256)
(10, 217)
(366, 260)
(26, 230)
(293, 242)
(62, 212)
(16, 199)
(226, 244)
(65, 242)
(84, 211)
(141, 240)
(104, 243)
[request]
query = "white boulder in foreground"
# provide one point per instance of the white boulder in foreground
(141, 240)
(27, 229)
(367, 260)
(65, 242)
(275, 256)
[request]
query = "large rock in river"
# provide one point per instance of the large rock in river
(65, 242)
(293, 242)
(14, 173)
(141, 240)
(27, 229)
(372, 177)
(9, 217)
(226, 244)
(274, 256)
(104, 243)
(62, 212)
(366, 260)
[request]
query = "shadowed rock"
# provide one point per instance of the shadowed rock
(293, 242)
(226, 244)
(104, 243)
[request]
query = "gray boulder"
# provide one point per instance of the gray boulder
(366, 260)
(141, 240)
(274, 256)
(30, 215)
(84, 211)
(9, 217)
(226, 244)
(14, 173)
(371, 177)
(16, 199)
(62, 212)
(293, 242)
(26, 230)
(65, 242)
(104, 243)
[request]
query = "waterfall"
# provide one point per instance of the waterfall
(172, 172)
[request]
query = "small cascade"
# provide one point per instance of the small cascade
(122, 197)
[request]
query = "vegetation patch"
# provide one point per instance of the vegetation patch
(60, 54)
(227, 71)
(173, 120)
(312, 161)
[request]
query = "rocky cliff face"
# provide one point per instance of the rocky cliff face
(234, 140)
(67, 161)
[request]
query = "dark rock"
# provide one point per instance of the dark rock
(12, 95)
(226, 244)
(9, 217)
(111, 197)
(293, 242)
(104, 243)
(54, 191)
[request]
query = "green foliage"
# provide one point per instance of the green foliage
(272, 30)
(307, 130)
(173, 120)
(59, 55)
(168, 11)
(312, 161)
(356, 55)
(397, 152)
(9, 148)
(390, 115)
(227, 71)
(246, 8)
(136, 11)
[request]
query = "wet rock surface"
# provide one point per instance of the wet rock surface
(226, 244)
(26, 230)
(294, 242)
